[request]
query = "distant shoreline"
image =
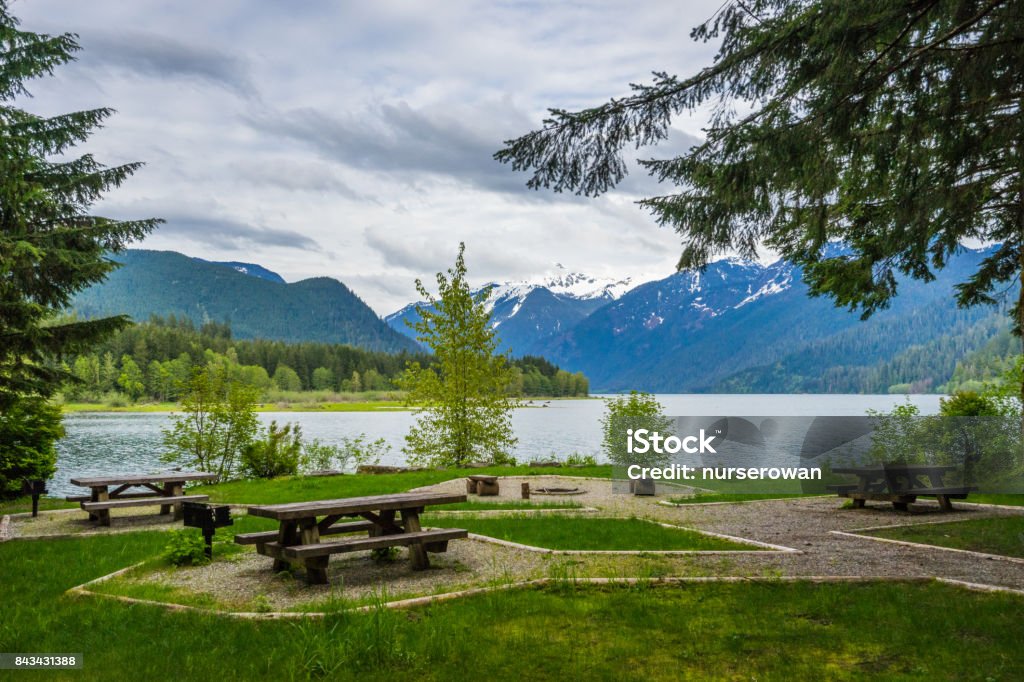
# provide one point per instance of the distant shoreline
(290, 406)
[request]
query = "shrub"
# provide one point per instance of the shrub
(351, 453)
(277, 453)
(29, 428)
(633, 411)
(968, 404)
(579, 459)
(186, 548)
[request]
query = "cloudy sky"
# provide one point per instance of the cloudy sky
(354, 139)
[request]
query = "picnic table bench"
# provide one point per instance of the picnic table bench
(302, 524)
(164, 489)
(900, 484)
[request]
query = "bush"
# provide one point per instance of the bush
(634, 411)
(968, 404)
(277, 453)
(578, 459)
(351, 453)
(186, 548)
(29, 429)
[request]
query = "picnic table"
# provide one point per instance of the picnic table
(303, 524)
(900, 484)
(164, 489)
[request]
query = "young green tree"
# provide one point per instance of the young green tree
(50, 249)
(287, 379)
(895, 127)
(464, 399)
(217, 422)
(131, 380)
(631, 412)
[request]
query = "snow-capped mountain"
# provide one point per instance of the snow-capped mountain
(528, 311)
(735, 326)
(698, 331)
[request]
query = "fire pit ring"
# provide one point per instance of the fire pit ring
(557, 491)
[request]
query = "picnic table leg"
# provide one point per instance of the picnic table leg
(101, 515)
(172, 488)
(858, 503)
(316, 567)
(945, 504)
(417, 552)
(287, 535)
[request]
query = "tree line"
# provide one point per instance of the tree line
(155, 359)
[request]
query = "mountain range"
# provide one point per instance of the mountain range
(256, 302)
(737, 326)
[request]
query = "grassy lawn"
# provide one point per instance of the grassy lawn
(586, 533)
(1013, 500)
(302, 488)
(775, 631)
(701, 498)
(24, 504)
(1004, 535)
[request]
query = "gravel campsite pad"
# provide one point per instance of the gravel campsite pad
(245, 582)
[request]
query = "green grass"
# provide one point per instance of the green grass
(701, 498)
(1002, 535)
(303, 488)
(1013, 500)
(24, 504)
(776, 631)
(586, 533)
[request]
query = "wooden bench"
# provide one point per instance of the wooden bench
(432, 541)
(102, 509)
(337, 529)
(943, 496)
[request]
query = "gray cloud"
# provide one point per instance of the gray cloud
(152, 55)
(295, 177)
(226, 233)
(399, 140)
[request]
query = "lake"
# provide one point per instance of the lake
(112, 442)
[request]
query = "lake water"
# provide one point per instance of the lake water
(115, 442)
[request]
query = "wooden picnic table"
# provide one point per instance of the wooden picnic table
(166, 490)
(302, 524)
(900, 484)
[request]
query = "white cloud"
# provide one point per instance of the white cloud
(354, 139)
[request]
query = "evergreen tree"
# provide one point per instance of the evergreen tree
(895, 127)
(50, 247)
(464, 397)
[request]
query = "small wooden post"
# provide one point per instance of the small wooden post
(526, 491)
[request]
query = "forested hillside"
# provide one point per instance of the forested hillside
(152, 359)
